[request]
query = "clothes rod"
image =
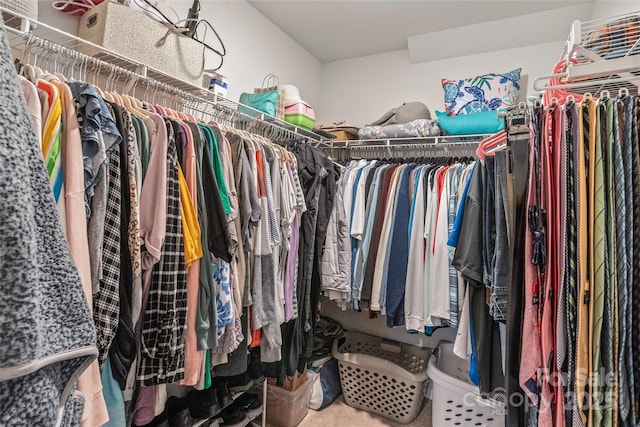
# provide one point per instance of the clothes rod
(430, 140)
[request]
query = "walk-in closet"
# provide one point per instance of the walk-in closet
(348, 213)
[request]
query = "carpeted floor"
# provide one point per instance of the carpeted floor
(339, 414)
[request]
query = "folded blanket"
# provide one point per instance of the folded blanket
(47, 334)
(416, 128)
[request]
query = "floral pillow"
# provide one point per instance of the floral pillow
(481, 93)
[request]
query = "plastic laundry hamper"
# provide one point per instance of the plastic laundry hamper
(381, 376)
(456, 401)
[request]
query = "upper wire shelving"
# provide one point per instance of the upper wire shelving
(36, 37)
(601, 54)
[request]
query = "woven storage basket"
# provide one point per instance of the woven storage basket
(382, 377)
(27, 8)
(456, 401)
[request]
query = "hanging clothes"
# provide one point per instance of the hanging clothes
(581, 242)
(195, 243)
(48, 334)
(388, 235)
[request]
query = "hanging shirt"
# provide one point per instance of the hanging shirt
(335, 267)
(217, 166)
(165, 320)
(190, 226)
(51, 142)
(414, 293)
(263, 291)
(193, 359)
(371, 261)
(365, 247)
(429, 228)
(89, 383)
(440, 301)
(399, 253)
(382, 255)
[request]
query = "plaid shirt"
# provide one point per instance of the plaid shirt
(165, 317)
(106, 302)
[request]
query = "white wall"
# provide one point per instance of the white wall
(255, 46)
(608, 8)
(360, 322)
(360, 90)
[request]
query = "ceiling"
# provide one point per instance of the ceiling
(332, 30)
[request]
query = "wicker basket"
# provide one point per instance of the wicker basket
(455, 400)
(382, 377)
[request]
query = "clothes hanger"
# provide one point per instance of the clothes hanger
(114, 92)
(126, 99)
(134, 103)
(586, 98)
(187, 109)
(622, 92)
(179, 106)
(106, 95)
(487, 146)
(148, 99)
(167, 104)
(82, 68)
(31, 68)
(42, 45)
(97, 68)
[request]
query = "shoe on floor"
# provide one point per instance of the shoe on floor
(250, 404)
(232, 417)
(178, 412)
(203, 403)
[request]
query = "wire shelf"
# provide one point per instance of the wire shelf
(606, 38)
(601, 54)
(454, 145)
(430, 140)
(60, 49)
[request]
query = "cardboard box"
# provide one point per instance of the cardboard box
(287, 408)
(343, 135)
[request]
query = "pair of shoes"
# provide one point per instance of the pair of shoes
(203, 403)
(250, 404)
(178, 412)
(238, 383)
(232, 417)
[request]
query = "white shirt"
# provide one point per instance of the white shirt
(414, 291)
(429, 228)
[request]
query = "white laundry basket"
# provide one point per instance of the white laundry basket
(455, 399)
(381, 376)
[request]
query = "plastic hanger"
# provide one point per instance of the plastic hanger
(105, 94)
(117, 99)
(491, 144)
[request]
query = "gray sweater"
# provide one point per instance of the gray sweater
(47, 336)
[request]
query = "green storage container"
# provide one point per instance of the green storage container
(300, 120)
